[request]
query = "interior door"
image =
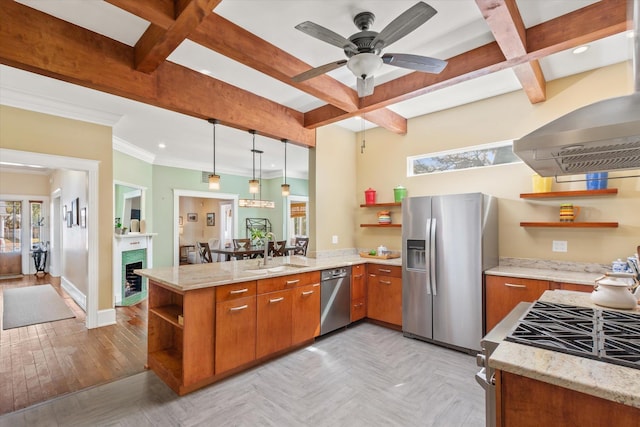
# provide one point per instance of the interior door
(10, 238)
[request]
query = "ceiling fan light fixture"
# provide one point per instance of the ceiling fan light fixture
(363, 65)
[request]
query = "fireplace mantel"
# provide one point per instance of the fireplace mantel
(129, 242)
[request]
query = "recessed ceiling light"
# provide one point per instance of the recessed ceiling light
(580, 49)
(357, 118)
(205, 71)
(630, 34)
(161, 145)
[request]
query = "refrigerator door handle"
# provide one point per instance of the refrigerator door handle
(432, 255)
(427, 266)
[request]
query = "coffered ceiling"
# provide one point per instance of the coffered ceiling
(155, 70)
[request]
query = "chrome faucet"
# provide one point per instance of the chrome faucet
(266, 245)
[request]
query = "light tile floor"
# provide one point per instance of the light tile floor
(365, 375)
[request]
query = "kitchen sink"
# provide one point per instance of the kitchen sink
(265, 269)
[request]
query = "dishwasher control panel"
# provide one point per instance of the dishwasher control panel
(335, 273)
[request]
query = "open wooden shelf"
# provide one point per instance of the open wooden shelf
(169, 313)
(381, 205)
(574, 193)
(381, 225)
(571, 224)
(169, 363)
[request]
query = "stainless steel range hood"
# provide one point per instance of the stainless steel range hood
(600, 137)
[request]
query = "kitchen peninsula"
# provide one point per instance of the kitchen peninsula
(209, 321)
(537, 386)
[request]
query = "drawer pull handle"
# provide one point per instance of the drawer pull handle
(239, 291)
(291, 282)
(242, 307)
(307, 292)
(511, 285)
(386, 282)
(276, 300)
(357, 276)
(384, 270)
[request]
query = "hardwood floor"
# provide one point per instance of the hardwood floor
(365, 375)
(43, 361)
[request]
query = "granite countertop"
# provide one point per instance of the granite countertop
(196, 276)
(605, 380)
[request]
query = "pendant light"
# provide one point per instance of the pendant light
(214, 179)
(254, 184)
(286, 190)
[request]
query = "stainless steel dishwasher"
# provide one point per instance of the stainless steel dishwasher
(335, 299)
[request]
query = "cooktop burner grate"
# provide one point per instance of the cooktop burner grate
(609, 336)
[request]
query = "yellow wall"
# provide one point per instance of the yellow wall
(506, 117)
(41, 133)
(24, 183)
(332, 187)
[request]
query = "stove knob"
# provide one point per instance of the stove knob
(481, 360)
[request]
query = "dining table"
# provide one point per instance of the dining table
(245, 252)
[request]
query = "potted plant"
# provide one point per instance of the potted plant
(118, 228)
(257, 236)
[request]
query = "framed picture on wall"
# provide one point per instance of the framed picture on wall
(75, 215)
(211, 219)
(83, 218)
(192, 217)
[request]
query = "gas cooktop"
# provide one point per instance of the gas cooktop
(605, 335)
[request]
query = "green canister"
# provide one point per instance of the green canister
(399, 193)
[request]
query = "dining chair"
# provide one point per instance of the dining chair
(277, 248)
(301, 245)
(241, 243)
(214, 244)
(205, 252)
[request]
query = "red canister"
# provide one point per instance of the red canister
(370, 196)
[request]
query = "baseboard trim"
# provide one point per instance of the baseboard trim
(74, 293)
(106, 317)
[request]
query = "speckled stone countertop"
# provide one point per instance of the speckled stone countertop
(196, 276)
(605, 380)
(556, 271)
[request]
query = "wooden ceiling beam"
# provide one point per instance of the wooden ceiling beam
(40, 43)
(505, 22)
(599, 20)
(157, 43)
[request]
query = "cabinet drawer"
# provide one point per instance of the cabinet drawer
(235, 291)
(504, 293)
(235, 333)
(384, 270)
(280, 283)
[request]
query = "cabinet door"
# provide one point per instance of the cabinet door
(306, 313)
(384, 299)
(273, 322)
(357, 282)
(504, 293)
(358, 309)
(235, 333)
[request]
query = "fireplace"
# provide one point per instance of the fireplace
(130, 252)
(134, 287)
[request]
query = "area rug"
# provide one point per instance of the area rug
(31, 305)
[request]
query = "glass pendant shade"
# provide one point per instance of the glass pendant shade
(364, 64)
(254, 186)
(214, 182)
(285, 189)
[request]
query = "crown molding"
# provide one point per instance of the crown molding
(129, 149)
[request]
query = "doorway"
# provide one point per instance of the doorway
(10, 238)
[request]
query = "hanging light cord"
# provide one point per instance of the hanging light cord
(214, 146)
(364, 133)
(253, 132)
(285, 160)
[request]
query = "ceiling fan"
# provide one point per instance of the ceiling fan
(363, 48)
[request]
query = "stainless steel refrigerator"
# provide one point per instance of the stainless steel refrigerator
(448, 241)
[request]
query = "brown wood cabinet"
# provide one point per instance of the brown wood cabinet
(571, 287)
(235, 332)
(358, 292)
(180, 337)
(306, 313)
(504, 293)
(274, 314)
(524, 402)
(384, 293)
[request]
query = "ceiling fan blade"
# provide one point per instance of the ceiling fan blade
(315, 72)
(326, 35)
(415, 62)
(365, 86)
(408, 21)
